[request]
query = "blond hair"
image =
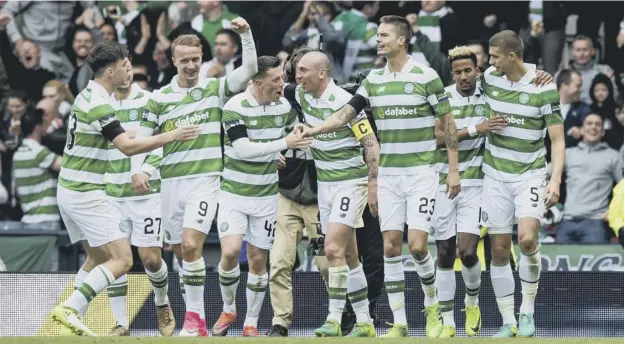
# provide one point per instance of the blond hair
(186, 40)
(62, 89)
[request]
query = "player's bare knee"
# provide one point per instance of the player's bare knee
(468, 255)
(191, 250)
(419, 249)
(528, 242)
(152, 262)
(391, 250)
(334, 251)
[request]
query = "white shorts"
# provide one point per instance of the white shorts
(461, 214)
(255, 219)
(89, 216)
(504, 202)
(342, 203)
(140, 220)
(408, 200)
(188, 203)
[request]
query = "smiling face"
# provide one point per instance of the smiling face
(592, 129)
(309, 74)
(82, 44)
(16, 107)
(187, 60)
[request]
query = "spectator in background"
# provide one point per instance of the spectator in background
(25, 73)
(140, 76)
(213, 17)
(82, 42)
(165, 71)
(430, 51)
(227, 55)
(299, 34)
(602, 95)
(439, 23)
(34, 180)
(108, 31)
(480, 49)
(360, 38)
(591, 169)
(17, 106)
(4, 194)
(569, 83)
(54, 131)
(584, 62)
(62, 96)
(46, 22)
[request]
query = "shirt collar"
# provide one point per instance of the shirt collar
(98, 89)
(175, 86)
(407, 67)
(134, 91)
(328, 91)
(528, 77)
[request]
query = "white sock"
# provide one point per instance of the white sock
(79, 278)
(529, 273)
(358, 293)
(427, 275)
(159, 284)
(255, 295)
(337, 291)
(181, 284)
(229, 282)
(446, 286)
(194, 276)
(117, 296)
(472, 281)
(98, 279)
(394, 283)
(503, 286)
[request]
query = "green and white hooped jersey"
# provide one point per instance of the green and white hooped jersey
(467, 111)
(118, 171)
(171, 107)
(338, 155)
(404, 107)
(360, 41)
(86, 152)
(254, 177)
(429, 25)
(35, 183)
(518, 151)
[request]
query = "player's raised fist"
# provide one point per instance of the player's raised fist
(240, 25)
(187, 132)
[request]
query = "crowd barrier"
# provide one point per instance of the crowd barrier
(569, 304)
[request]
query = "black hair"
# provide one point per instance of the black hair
(265, 63)
(234, 37)
(104, 54)
(564, 77)
(30, 120)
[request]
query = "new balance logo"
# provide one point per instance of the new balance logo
(199, 221)
(534, 205)
(342, 215)
(381, 89)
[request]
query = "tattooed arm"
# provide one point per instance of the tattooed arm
(372, 158)
(451, 142)
(340, 118)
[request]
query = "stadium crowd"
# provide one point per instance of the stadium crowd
(44, 46)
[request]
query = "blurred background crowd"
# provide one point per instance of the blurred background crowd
(43, 46)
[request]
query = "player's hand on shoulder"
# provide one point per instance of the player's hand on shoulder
(140, 182)
(240, 25)
(542, 78)
(295, 141)
(187, 132)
